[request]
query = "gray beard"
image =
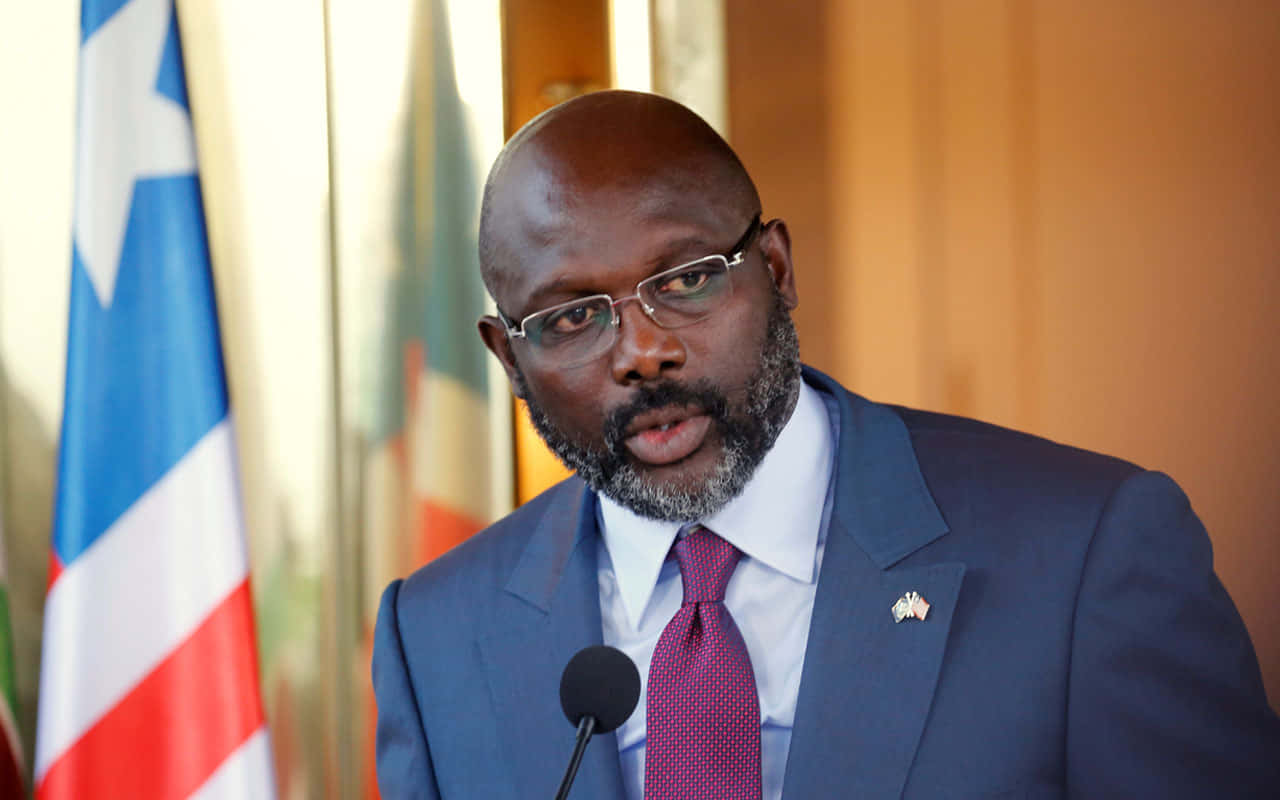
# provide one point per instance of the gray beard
(747, 433)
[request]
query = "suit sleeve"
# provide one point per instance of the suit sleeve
(403, 758)
(1166, 699)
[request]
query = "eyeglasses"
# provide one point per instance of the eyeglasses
(580, 330)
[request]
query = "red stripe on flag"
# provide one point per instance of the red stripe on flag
(441, 528)
(55, 570)
(169, 734)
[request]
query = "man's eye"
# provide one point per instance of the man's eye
(686, 283)
(571, 320)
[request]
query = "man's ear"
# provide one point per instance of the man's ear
(494, 334)
(776, 243)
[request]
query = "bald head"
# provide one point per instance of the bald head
(618, 154)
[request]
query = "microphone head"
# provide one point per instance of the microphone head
(601, 682)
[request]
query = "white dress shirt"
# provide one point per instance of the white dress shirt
(777, 522)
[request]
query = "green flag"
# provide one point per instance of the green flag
(10, 748)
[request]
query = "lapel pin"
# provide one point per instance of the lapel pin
(910, 605)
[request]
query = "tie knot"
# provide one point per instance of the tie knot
(706, 562)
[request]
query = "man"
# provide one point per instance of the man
(920, 606)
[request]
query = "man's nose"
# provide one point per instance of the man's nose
(644, 350)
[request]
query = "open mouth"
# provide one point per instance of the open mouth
(667, 435)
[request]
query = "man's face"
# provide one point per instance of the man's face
(742, 432)
(669, 422)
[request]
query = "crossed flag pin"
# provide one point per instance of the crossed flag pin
(910, 606)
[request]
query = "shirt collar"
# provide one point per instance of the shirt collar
(775, 520)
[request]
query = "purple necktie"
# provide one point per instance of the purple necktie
(702, 716)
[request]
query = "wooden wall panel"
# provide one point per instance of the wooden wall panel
(925, 146)
(975, 271)
(779, 124)
(876, 161)
(552, 49)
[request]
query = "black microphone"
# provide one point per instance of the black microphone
(598, 691)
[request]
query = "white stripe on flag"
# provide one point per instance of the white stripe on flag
(449, 420)
(140, 590)
(247, 774)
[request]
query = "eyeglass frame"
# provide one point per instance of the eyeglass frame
(735, 256)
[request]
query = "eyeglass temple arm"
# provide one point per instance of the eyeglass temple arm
(514, 329)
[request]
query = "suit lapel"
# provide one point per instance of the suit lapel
(868, 682)
(550, 610)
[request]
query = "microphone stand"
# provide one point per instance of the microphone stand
(586, 727)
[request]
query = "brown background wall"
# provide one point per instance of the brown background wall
(1060, 216)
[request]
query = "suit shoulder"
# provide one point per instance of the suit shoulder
(930, 429)
(954, 449)
(939, 438)
(959, 454)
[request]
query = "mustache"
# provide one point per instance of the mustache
(702, 394)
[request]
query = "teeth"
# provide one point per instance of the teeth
(666, 427)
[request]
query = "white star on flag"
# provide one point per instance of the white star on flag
(126, 134)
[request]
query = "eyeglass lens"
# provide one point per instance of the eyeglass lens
(575, 332)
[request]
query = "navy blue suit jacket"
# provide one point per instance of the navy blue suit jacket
(1078, 645)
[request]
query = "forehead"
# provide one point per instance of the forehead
(559, 236)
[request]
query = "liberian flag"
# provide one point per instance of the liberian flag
(149, 677)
